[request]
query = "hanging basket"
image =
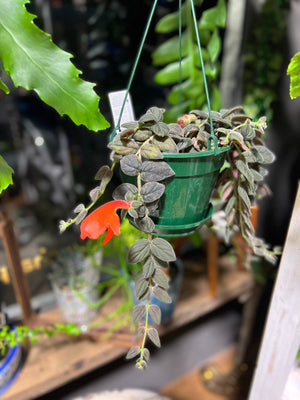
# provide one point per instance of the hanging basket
(185, 205)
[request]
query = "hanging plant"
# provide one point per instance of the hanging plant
(184, 77)
(141, 149)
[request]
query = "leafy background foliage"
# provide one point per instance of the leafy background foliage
(294, 72)
(190, 92)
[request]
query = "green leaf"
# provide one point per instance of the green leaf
(34, 62)
(152, 191)
(170, 74)
(131, 165)
(156, 171)
(5, 174)
(155, 313)
(170, 22)
(162, 249)
(168, 51)
(294, 72)
(166, 145)
(138, 251)
(214, 17)
(3, 87)
(214, 46)
(153, 336)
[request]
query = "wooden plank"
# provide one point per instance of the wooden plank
(282, 332)
(191, 387)
(59, 360)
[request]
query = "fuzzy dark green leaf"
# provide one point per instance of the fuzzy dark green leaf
(151, 151)
(157, 112)
(161, 279)
(242, 192)
(166, 145)
(141, 285)
(244, 170)
(130, 125)
(146, 354)
(153, 336)
(161, 129)
(149, 267)
(163, 250)
(142, 135)
(102, 172)
(131, 165)
(138, 251)
(229, 206)
(145, 224)
(138, 313)
(161, 294)
(262, 154)
(148, 118)
(156, 171)
(152, 191)
(133, 352)
(120, 148)
(155, 313)
(120, 192)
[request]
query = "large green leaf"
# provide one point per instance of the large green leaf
(5, 174)
(294, 72)
(34, 62)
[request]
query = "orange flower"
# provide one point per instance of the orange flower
(104, 217)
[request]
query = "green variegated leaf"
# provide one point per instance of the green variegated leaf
(161, 294)
(152, 191)
(146, 295)
(163, 250)
(155, 313)
(153, 336)
(152, 152)
(153, 171)
(120, 148)
(131, 165)
(138, 251)
(248, 132)
(34, 62)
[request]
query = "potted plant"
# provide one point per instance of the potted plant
(151, 153)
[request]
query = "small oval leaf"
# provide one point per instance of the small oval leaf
(162, 249)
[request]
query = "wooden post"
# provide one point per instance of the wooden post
(282, 331)
(20, 284)
(212, 262)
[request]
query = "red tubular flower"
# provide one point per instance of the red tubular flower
(104, 217)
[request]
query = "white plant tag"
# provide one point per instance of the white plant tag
(116, 100)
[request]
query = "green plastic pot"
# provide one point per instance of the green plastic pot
(185, 204)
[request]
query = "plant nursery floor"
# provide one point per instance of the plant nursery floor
(53, 363)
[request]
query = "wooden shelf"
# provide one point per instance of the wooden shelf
(54, 362)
